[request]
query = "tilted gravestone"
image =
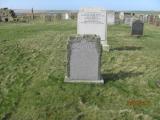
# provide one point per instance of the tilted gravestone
(93, 21)
(84, 59)
(137, 28)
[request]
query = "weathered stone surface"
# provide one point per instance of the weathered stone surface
(93, 21)
(137, 28)
(7, 15)
(151, 19)
(156, 20)
(141, 18)
(158, 23)
(127, 20)
(110, 17)
(84, 59)
(117, 18)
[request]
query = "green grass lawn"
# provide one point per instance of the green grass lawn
(32, 70)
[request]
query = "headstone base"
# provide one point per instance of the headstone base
(67, 80)
(105, 46)
(137, 36)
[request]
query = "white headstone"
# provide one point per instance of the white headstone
(110, 17)
(66, 16)
(121, 16)
(145, 18)
(93, 21)
(127, 20)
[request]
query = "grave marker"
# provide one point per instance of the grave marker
(137, 28)
(93, 21)
(110, 17)
(84, 59)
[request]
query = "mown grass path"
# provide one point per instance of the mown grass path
(32, 69)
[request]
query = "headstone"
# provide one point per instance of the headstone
(84, 59)
(66, 16)
(157, 22)
(110, 17)
(145, 18)
(93, 21)
(141, 18)
(131, 22)
(156, 18)
(121, 16)
(137, 28)
(148, 18)
(117, 18)
(127, 15)
(127, 20)
(151, 19)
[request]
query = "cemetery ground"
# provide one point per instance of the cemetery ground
(32, 70)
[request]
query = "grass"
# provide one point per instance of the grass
(32, 69)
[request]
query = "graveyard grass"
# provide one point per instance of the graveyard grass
(32, 70)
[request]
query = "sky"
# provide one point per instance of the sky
(76, 4)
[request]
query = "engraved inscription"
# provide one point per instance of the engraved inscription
(84, 46)
(92, 18)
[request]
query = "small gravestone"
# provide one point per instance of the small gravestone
(141, 18)
(131, 22)
(127, 20)
(93, 21)
(151, 19)
(158, 23)
(110, 17)
(156, 19)
(84, 59)
(148, 19)
(145, 18)
(137, 28)
(66, 16)
(121, 16)
(117, 18)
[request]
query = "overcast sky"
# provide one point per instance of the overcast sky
(76, 4)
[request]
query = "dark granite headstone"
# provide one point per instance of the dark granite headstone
(137, 28)
(84, 59)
